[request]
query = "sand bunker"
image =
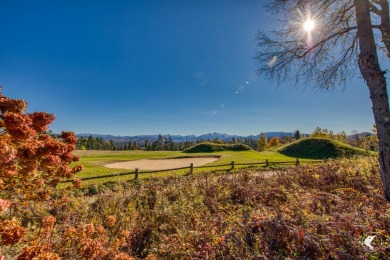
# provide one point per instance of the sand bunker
(163, 164)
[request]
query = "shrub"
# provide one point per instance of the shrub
(273, 142)
(32, 163)
(307, 212)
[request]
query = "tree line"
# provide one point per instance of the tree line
(163, 143)
(166, 143)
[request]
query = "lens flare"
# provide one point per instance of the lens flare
(309, 25)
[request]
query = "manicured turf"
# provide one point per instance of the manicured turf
(94, 161)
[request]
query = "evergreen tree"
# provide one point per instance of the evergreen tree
(297, 135)
(169, 144)
(147, 145)
(159, 144)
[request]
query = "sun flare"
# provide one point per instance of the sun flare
(309, 25)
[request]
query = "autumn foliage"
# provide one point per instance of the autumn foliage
(32, 162)
(273, 142)
(33, 223)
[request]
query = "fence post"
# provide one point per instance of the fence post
(136, 174)
(191, 168)
(297, 162)
(232, 166)
(266, 163)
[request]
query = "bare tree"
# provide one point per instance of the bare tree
(323, 43)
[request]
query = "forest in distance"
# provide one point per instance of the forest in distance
(367, 141)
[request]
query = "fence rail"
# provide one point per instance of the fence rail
(191, 168)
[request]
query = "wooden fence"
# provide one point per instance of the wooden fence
(191, 168)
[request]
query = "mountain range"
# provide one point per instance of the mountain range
(181, 138)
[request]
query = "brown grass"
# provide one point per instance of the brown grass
(310, 212)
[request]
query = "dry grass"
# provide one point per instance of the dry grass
(309, 212)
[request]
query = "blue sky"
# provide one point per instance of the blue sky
(148, 67)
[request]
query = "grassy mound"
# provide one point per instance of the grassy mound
(319, 148)
(212, 147)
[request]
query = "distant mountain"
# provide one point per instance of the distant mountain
(209, 136)
(181, 138)
(220, 136)
(272, 134)
(359, 135)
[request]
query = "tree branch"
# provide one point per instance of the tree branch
(374, 9)
(338, 34)
(385, 24)
(331, 56)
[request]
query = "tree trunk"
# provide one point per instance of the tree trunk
(376, 82)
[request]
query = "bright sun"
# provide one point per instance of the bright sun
(308, 25)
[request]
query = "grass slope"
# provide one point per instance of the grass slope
(319, 148)
(212, 147)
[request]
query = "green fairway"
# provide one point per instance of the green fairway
(94, 161)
